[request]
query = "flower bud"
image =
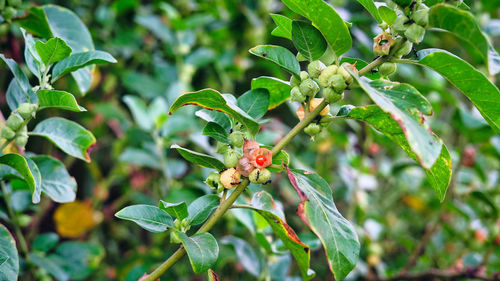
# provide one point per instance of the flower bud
(308, 87)
(331, 95)
(213, 180)
(231, 158)
(415, 33)
(221, 147)
(297, 95)
(26, 110)
(21, 140)
(237, 139)
(230, 178)
(315, 68)
(312, 129)
(337, 82)
(304, 75)
(404, 50)
(8, 133)
(14, 122)
(400, 24)
(326, 74)
(382, 44)
(294, 81)
(177, 224)
(387, 68)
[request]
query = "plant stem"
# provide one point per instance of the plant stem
(221, 210)
(15, 221)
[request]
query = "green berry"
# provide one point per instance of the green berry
(421, 17)
(347, 76)
(231, 158)
(331, 95)
(8, 133)
(8, 13)
(405, 49)
(264, 176)
(213, 180)
(312, 129)
(304, 75)
(221, 147)
(337, 82)
(315, 68)
(21, 140)
(415, 33)
(237, 139)
(254, 176)
(387, 68)
(400, 24)
(308, 87)
(294, 81)
(26, 110)
(14, 122)
(296, 95)
(326, 74)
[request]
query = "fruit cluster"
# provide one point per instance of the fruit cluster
(8, 10)
(15, 127)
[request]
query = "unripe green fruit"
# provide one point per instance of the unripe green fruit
(297, 95)
(265, 176)
(8, 13)
(326, 74)
(8, 133)
(315, 68)
(404, 50)
(331, 95)
(312, 129)
(387, 68)
(347, 76)
(221, 147)
(213, 180)
(24, 220)
(337, 82)
(304, 75)
(21, 140)
(237, 139)
(294, 81)
(26, 110)
(400, 24)
(231, 158)
(254, 176)
(421, 17)
(185, 223)
(415, 33)
(14, 122)
(308, 87)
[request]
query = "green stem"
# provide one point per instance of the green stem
(221, 210)
(15, 221)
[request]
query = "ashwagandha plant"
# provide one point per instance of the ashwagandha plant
(52, 50)
(399, 112)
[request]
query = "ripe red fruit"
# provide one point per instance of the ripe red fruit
(260, 160)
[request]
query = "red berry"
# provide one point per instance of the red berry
(260, 160)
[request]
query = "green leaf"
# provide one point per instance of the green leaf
(464, 25)
(439, 175)
(149, 217)
(308, 40)
(56, 181)
(387, 14)
(15, 95)
(324, 18)
(54, 50)
(79, 60)
(319, 212)
(21, 79)
(202, 250)
(405, 103)
(283, 26)
(199, 159)
(178, 210)
(370, 7)
(69, 136)
(212, 276)
(139, 111)
(50, 265)
(36, 22)
(246, 255)
(471, 82)
(58, 99)
(28, 171)
(141, 157)
(211, 99)
(279, 55)
(9, 259)
(78, 259)
(45, 242)
(66, 25)
(30, 54)
(263, 204)
(215, 116)
(279, 90)
(200, 209)
(254, 102)
(216, 132)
